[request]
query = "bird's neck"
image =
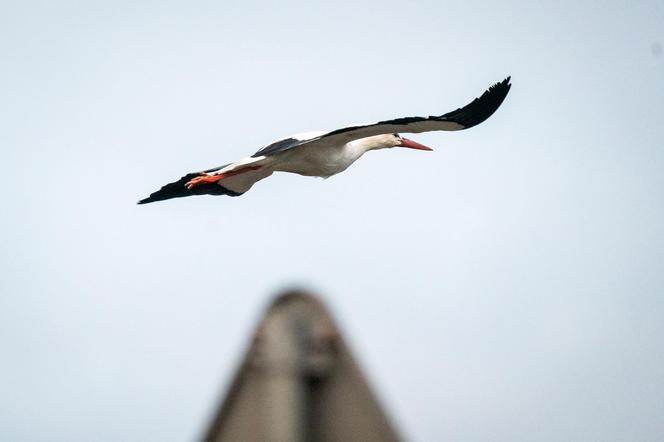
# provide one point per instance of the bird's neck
(362, 146)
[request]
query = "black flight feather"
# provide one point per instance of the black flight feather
(178, 189)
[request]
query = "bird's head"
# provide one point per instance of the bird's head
(393, 140)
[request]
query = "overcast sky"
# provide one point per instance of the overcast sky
(508, 286)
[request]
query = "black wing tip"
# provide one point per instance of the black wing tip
(149, 199)
(157, 196)
(178, 189)
(483, 107)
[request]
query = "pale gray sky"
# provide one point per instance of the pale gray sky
(508, 286)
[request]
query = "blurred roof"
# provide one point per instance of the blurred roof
(299, 382)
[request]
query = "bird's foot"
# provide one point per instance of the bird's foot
(202, 179)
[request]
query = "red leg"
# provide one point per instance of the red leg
(201, 179)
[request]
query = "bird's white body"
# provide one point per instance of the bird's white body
(323, 154)
(322, 160)
(325, 160)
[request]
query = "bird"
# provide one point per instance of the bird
(323, 154)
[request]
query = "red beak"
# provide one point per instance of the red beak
(410, 144)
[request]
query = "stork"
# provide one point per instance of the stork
(323, 154)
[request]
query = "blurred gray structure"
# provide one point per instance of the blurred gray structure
(299, 382)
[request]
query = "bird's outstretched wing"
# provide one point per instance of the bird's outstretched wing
(231, 179)
(468, 116)
(178, 189)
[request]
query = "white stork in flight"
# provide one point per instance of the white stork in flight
(324, 154)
